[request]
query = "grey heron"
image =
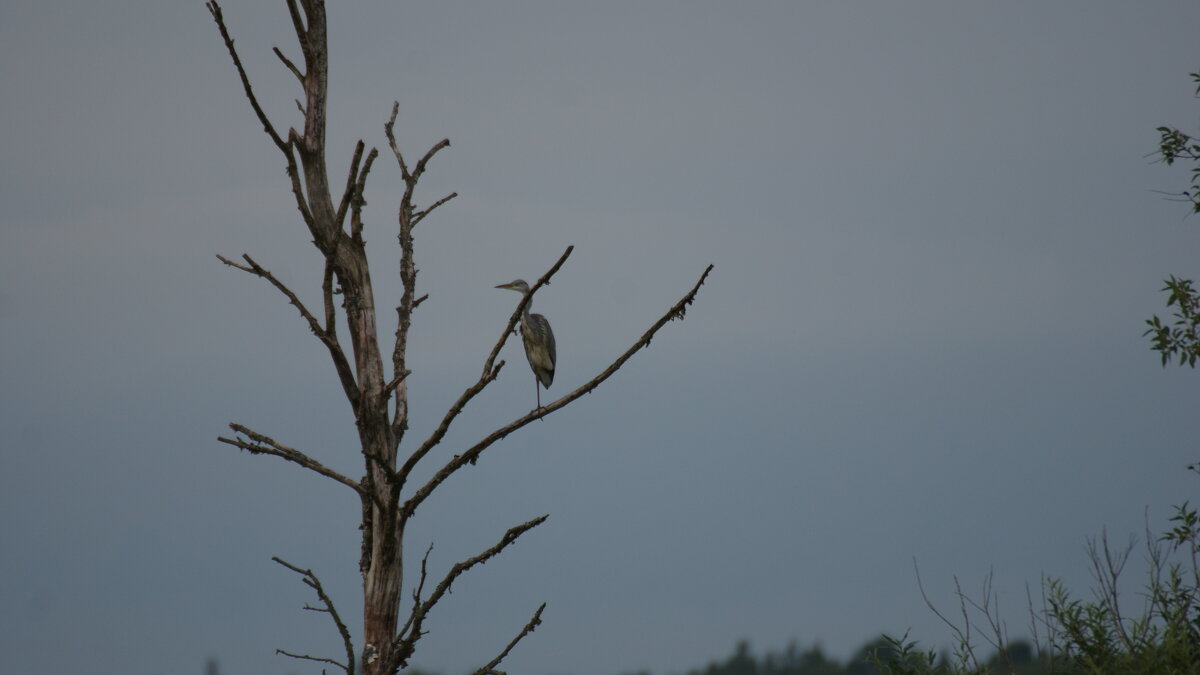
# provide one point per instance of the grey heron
(539, 342)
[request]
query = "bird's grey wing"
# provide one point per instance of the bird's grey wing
(544, 325)
(546, 336)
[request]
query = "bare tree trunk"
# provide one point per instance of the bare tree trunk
(379, 402)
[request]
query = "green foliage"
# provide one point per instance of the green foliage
(1174, 144)
(1181, 339)
(900, 656)
(1093, 635)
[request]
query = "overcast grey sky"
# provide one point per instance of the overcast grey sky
(936, 236)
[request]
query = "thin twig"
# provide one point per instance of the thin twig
(264, 445)
(472, 454)
(298, 26)
(351, 182)
(284, 146)
(490, 668)
(437, 147)
(219, 17)
(417, 591)
(319, 659)
(290, 66)
(405, 643)
(984, 607)
(325, 334)
(311, 580)
(440, 432)
(420, 215)
(357, 201)
(964, 639)
(389, 128)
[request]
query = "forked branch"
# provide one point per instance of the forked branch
(326, 334)
(418, 590)
(314, 583)
(406, 642)
(470, 455)
(284, 146)
(264, 445)
(491, 371)
(219, 17)
(420, 215)
(408, 218)
(351, 184)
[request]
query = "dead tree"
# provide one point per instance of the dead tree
(378, 395)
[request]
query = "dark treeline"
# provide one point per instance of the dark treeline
(794, 660)
(1018, 659)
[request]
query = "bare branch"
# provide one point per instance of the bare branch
(1107, 566)
(418, 301)
(395, 382)
(326, 334)
(306, 657)
(437, 147)
(410, 178)
(490, 668)
(263, 445)
(406, 643)
(290, 66)
(351, 182)
(219, 17)
(420, 215)
(357, 201)
(963, 635)
(298, 26)
(389, 128)
(417, 591)
(284, 146)
(470, 455)
(313, 582)
(258, 270)
(440, 432)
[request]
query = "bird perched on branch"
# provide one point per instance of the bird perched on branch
(539, 342)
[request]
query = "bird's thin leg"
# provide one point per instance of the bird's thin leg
(537, 391)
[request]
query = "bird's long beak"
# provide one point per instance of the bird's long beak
(505, 286)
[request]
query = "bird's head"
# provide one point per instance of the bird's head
(519, 286)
